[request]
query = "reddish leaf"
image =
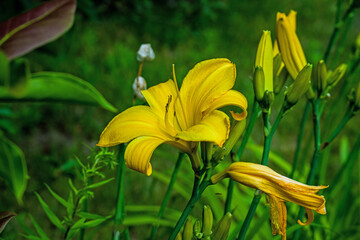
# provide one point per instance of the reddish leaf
(36, 27)
(5, 217)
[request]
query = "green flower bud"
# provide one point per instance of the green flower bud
(188, 230)
(277, 64)
(300, 85)
(207, 221)
(320, 76)
(334, 77)
(178, 236)
(259, 83)
(268, 99)
(197, 229)
(221, 231)
(236, 131)
(279, 80)
(264, 59)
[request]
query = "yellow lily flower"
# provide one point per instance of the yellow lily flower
(279, 189)
(181, 118)
(289, 44)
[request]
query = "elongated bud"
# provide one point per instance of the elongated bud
(300, 85)
(259, 83)
(264, 59)
(178, 236)
(277, 65)
(221, 231)
(145, 53)
(236, 131)
(197, 229)
(289, 44)
(139, 85)
(207, 221)
(320, 75)
(279, 80)
(335, 76)
(188, 230)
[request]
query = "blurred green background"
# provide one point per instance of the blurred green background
(101, 49)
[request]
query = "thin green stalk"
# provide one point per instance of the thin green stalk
(335, 34)
(191, 203)
(120, 206)
(348, 115)
(253, 118)
(300, 138)
(268, 135)
(167, 194)
(314, 162)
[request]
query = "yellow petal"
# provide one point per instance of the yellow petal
(131, 123)
(292, 19)
(207, 81)
(278, 215)
(139, 152)
(161, 99)
(214, 127)
(267, 180)
(233, 98)
(310, 217)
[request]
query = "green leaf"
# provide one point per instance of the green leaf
(146, 220)
(19, 77)
(36, 27)
(57, 197)
(13, 167)
(87, 215)
(51, 215)
(73, 187)
(91, 223)
(71, 205)
(98, 184)
(58, 87)
(38, 229)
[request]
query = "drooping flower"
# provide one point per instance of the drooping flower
(181, 118)
(279, 189)
(288, 43)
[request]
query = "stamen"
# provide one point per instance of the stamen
(181, 104)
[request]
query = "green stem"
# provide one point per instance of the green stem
(268, 135)
(191, 203)
(167, 194)
(120, 206)
(253, 118)
(314, 162)
(335, 34)
(300, 138)
(348, 115)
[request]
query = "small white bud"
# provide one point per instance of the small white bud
(139, 85)
(145, 53)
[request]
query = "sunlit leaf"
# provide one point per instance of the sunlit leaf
(36, 27)
(91, 223)
(51, 215)
(98, 184)
(13, 167)
(58, 87)
(5, 217)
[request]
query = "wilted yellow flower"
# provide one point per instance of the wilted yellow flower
(289, 44)
(279, 189)
(181, 118)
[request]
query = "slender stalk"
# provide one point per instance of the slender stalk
(120, 206)
(194, 197)
(268, 135)
(314, 162)
(348, 115)
(335, 34)
(167, 194)
(72, 217)
(253, 118)
(300, 138)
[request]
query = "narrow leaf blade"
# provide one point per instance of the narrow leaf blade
(51, 215)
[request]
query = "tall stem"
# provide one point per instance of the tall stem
(314, 161)
(300, 138)
(253, 118)
(120, 206)
(268, 135)
(167, 194)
